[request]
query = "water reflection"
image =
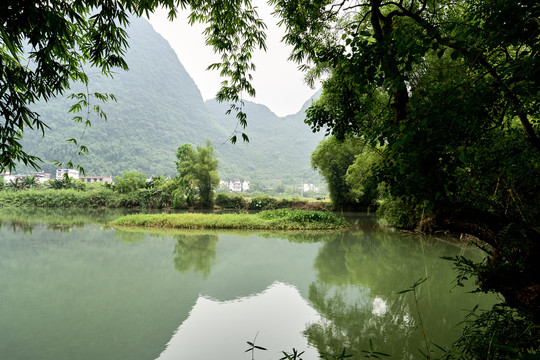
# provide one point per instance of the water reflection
(358, 277)
(129, 237)
(61, 215)
(220, 329)
(195, 252)
(101, 293)
(61, 220)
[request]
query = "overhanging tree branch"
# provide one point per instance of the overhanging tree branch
(480, 59)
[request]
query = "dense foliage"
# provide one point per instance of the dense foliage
(70, 198)
(197, 170)
(231, 201)
(265, 202)
(130, 182)
(344, 164)
(133, 190)
(448, 91)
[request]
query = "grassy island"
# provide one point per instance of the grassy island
(283, 219)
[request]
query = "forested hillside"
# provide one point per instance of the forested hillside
(278, 150)
(159, 108)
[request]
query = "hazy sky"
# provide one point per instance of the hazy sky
(278, 82)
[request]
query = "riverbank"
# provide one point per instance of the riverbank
(272, 219)
(72, 198)
(101, 197)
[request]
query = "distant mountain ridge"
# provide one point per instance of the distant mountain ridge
(159, 108)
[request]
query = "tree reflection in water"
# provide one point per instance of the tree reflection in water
(195, 252)
(129, 236)
(359, 276)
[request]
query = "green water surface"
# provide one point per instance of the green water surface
(73, 288)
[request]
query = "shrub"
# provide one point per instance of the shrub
(303, 216)
(399, 213)
(131, 181)
(285, 203)
(231, 201)
(263, 203)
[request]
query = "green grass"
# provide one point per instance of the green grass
(69, 198)
(266, 220)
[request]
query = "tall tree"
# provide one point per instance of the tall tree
(332, 158)
(197, 169)
(460, 124)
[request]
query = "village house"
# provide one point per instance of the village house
(310, 187)
(7, 177)
(91, 179)
(223, 185)
(41, 176)
(235, 186)
(71, 173)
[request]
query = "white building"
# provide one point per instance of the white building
(8, 177)
(97, 179)
(223, 185)
(12, 178)
(310, 187)
(235, 186)
(71, 173)
(41, 176)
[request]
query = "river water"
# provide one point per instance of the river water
(72, 287)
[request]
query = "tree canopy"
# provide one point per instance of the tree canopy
(197, 171)
(344, 164)
(449, 89)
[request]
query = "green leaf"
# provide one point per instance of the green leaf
(9, 44)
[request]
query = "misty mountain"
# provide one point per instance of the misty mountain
(159, 108)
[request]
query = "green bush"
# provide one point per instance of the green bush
(132, 181)
(231, 201)
(263, 203)
(69, 198)
(285, 203)
(399, 213)
(303, 216)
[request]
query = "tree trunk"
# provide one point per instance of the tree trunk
(382, 28)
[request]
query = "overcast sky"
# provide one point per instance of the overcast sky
(278, 82)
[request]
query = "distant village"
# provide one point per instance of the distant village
(42, 177)
(236, 186)
(243, 186)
